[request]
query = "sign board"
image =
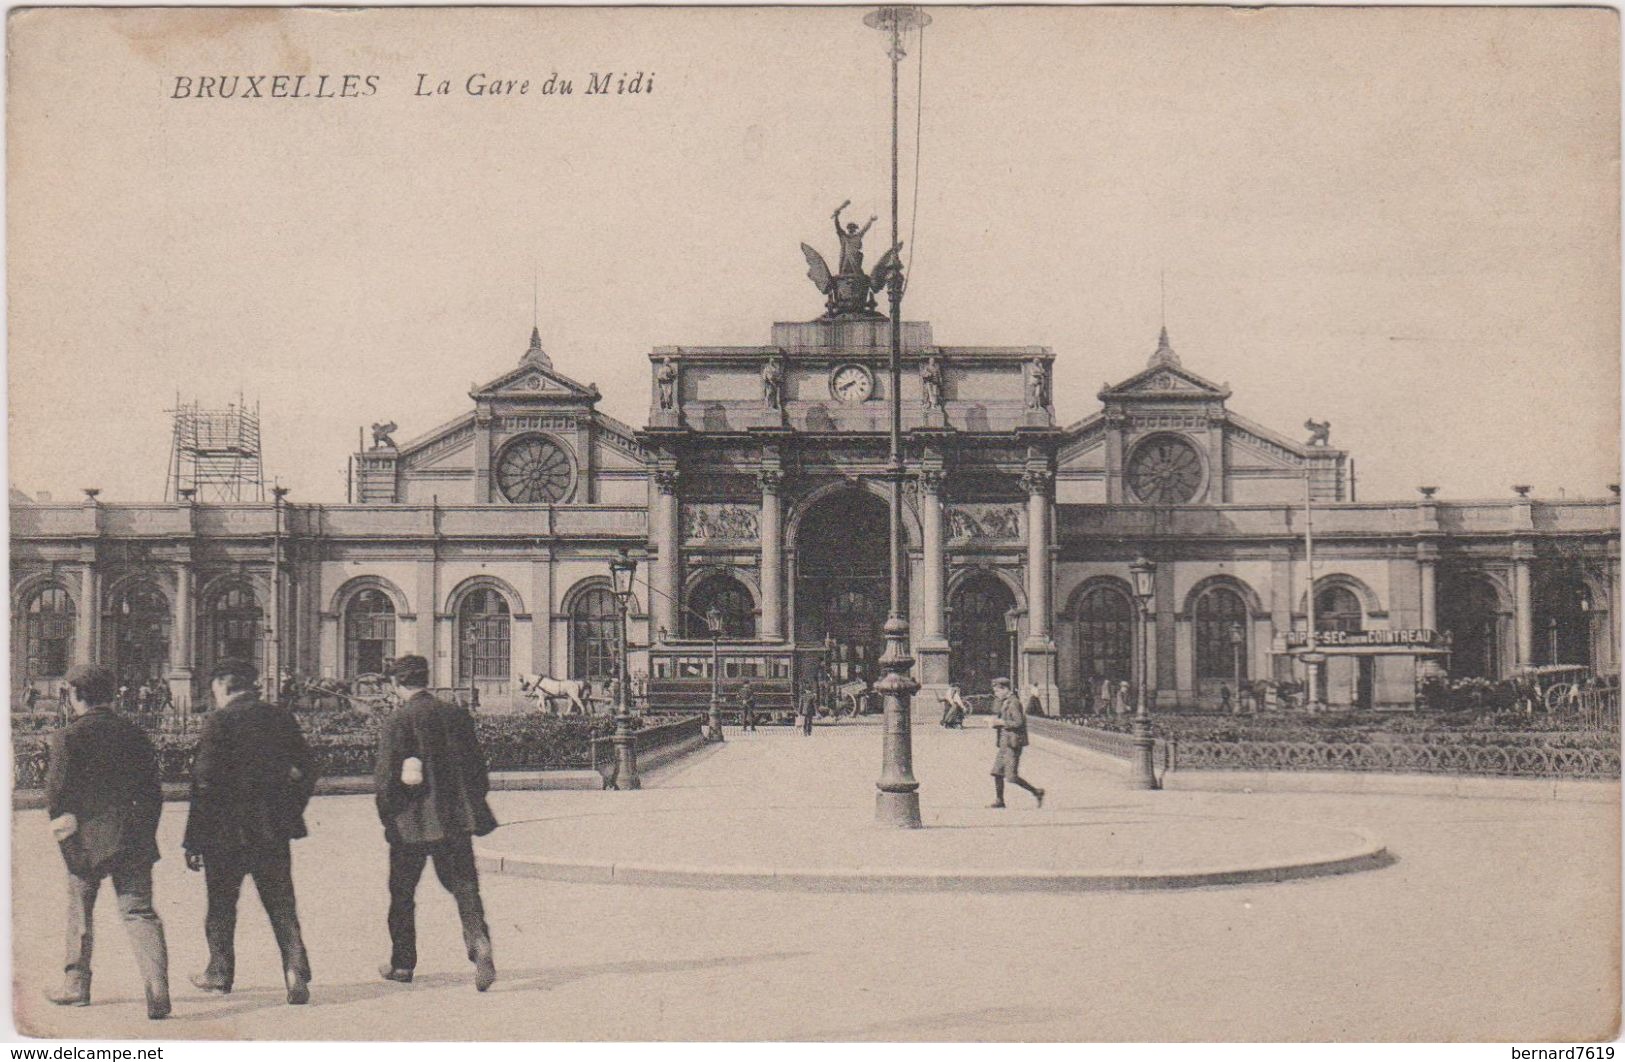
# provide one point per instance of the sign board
(1419, 638)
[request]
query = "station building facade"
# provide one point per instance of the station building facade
(756, 490)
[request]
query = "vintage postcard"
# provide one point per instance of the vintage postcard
(832, 524)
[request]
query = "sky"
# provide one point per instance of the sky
(1402, 221)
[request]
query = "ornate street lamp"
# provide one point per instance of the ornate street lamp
(621, 571)
(713, 623)
(1142, 773)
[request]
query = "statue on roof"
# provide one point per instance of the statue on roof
(851, 292)
(1320, 432)
(382, 436)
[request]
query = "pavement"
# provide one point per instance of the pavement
(1498, 919)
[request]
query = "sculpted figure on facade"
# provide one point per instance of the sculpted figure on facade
(849, 292)
(1037, 385)
(714, 522)
(1320, 432)
(382, 435)
(773, 384)
(931, 383)
(666, 378)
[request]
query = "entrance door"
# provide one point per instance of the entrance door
(980, 644)
(841, 582)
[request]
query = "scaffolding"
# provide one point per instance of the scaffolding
(215, 453)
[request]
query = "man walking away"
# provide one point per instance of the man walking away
(431, 782)
(103, 796)
(747, 706)
(1011, 723)
(809, 708)
(252, 776)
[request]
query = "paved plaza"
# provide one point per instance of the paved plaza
(1496, 918)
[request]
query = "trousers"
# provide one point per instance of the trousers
(454, 866)
(271, 867)
(133, 887)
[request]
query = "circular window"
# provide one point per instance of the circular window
(1165, 471)
(533, 469)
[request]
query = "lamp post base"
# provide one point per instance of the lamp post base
(898, 809)
(1142, 769)
(715, 723)
(626, 755)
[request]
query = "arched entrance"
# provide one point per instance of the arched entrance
(1563, 622)
(841, 581)
(981, 643)
(141, 632)
(1469, 608)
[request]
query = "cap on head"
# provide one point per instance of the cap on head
(96, 683)
(410, 670)
(243, 672)
(1002, 682)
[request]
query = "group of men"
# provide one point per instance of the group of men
(252, 777)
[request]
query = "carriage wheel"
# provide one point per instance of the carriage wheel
(1554, 695)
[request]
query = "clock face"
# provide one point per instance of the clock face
(533, 470)
(851, 383)
(1165, 471)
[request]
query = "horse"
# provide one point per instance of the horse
(546, 689)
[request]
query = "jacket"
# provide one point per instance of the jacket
(1011, 722)
(450, 802)
(252, 775)
(104, 772)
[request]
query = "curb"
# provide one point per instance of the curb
(1368, 854)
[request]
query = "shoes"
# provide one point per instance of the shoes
(158, 1007)
(75, 992)
(485, 967)
(1040, 796)
(209, 984)
(390, 973)
(997, 804)
(298, 987)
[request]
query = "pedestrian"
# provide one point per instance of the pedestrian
(1107, 699)
(30, 698)
(747, 706)
(1224, 698)
(809, 708)
(252, 776)
(1122, 703)
(431, 781)
(1010, 721)
(104, 800)
(954, 709)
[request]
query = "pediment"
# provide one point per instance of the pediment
(532, 380)
(1166, 381)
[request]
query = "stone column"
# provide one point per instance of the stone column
(86, 648)
(772, 556)
(1427, 563)
(931, 647)
(667, 568)
(182, 637)
(1523, 554)
(330, 649)
(1040, 647)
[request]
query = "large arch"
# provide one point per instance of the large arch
(1249, 596)
(1101, 614)
(1370, 604)
(725, 590)
(348, 589)
(1474, 610)
(813, 499)
(842, 541)
(1566, 616)
(139, 613)
(981, 641)
(454, 599)
(45, 629)
(232, 611)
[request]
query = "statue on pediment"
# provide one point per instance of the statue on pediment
(666, 378)
(1037, 385)
(382, 436)
(1320, 432)
(773, 384)
(850, 292)
(931, 383)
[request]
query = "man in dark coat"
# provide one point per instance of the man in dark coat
(252, 776)
(1011, 723)
(747, 707)
(431, 784)
(104, 800)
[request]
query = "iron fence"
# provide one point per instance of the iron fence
(1398, 757)
(647, 740)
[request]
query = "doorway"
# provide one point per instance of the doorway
(842, 575)
(981, 643)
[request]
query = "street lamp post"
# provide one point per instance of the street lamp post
(621, 571)
(897, 802)
(713, 623)
(828, 678)
(1142, 772)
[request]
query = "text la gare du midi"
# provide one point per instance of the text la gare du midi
(361, 86)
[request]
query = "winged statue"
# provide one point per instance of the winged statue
(851, 291)
(381, 434)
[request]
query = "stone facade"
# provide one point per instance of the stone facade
(758, 488)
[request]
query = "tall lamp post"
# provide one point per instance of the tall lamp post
(713, 623)
(621, 570)
(897, 803)
(1142, 773)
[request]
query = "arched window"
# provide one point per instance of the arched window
(141, 619)
(235, 623)
(724, 594)
(1563, 616)
(369, 633)
(483, 637)
(1469, 609)
(47, 631)
(595, 642)
(1221, 635)
(1337, 608)
(1105, 631)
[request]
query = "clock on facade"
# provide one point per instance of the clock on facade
(533, 470)
(1165, 470)
(851, 383)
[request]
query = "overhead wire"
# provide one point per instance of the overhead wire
(914, 210)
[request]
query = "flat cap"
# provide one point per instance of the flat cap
(410, 670)
(235, 667)
(1001, 681)
(96, 683)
